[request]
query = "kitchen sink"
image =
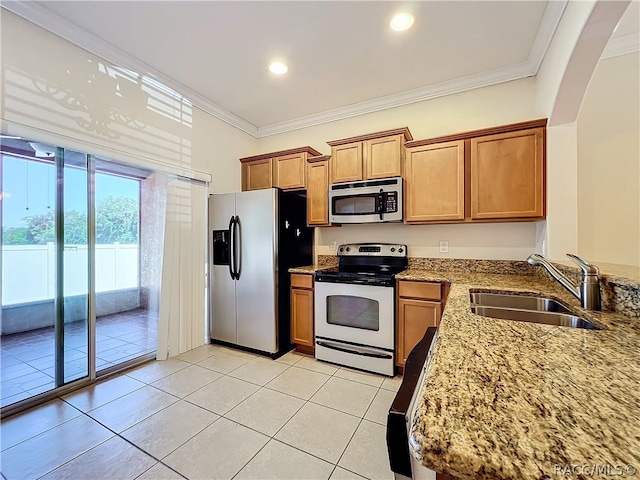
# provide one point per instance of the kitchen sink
(520, 302)
(524, 308)
(547, 318)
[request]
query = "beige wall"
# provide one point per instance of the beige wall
(609, 163)
(38, 69)
(54, 91)
(486, 107)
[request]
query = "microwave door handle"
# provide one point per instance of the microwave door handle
(380, 203)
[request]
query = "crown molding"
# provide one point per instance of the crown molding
(547, 28)
(41, 16)
(44, 18)
(548, 25)
(449, 87)
(621, 46)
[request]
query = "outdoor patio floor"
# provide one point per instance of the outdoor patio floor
(27, 364)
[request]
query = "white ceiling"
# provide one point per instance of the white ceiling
(343, 58)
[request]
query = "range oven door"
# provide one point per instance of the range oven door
(354, 326)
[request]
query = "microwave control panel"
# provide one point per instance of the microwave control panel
(390, 202)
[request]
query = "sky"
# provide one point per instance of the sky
(38, 193)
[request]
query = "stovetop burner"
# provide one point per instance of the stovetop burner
(366, 263)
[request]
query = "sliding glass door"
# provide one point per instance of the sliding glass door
(73, 271)
(29, 268)
(71, 297)
(125, 328)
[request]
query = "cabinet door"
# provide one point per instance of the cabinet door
(257, 175)
(383, 157)
(318, 193)
(302, 317)
(507, 175)
(346, 163)
(289, 171)
(434, 183)
(414, 317)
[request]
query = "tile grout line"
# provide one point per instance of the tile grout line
(305, 402)
(116, 434)
(354, 432)
(260, 387)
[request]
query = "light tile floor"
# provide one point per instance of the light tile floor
(211, 413)
(27, 359)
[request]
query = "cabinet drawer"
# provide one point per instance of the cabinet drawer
(301, 280)
(426, 290)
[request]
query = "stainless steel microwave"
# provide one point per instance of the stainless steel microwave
(371, 201)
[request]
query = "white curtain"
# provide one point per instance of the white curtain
(181, 322)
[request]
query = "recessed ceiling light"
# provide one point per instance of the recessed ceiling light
(278, 68)
(402, 21)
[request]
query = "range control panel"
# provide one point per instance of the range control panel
(372, 249)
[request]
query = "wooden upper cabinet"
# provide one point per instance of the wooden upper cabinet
(434, 183)
(383, 157)
(285, 169)
(376, 155)
(508, 175)
(318, 190)
(346, 163)
(257, 174)
(289, 171)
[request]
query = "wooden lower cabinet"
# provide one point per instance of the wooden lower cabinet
(419, 306)
(443, 476)
(414, 316)
(302, 330)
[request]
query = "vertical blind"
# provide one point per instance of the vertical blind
(181, 323)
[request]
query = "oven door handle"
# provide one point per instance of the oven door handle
(380, 202)
(355, 352)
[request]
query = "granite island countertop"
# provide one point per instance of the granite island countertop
(511, 400)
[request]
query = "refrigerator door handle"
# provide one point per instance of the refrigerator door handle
(231, 272)
(238, 259)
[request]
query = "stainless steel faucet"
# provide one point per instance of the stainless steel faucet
(588, 291)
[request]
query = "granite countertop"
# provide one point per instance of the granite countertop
(323, 262)
(512, 400)
(308, 269)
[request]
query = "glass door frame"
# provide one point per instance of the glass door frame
(92, 376)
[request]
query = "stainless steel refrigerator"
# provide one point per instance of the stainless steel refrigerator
(254, 238)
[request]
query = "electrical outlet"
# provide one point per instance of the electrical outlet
(333, 246)
(444, 246)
